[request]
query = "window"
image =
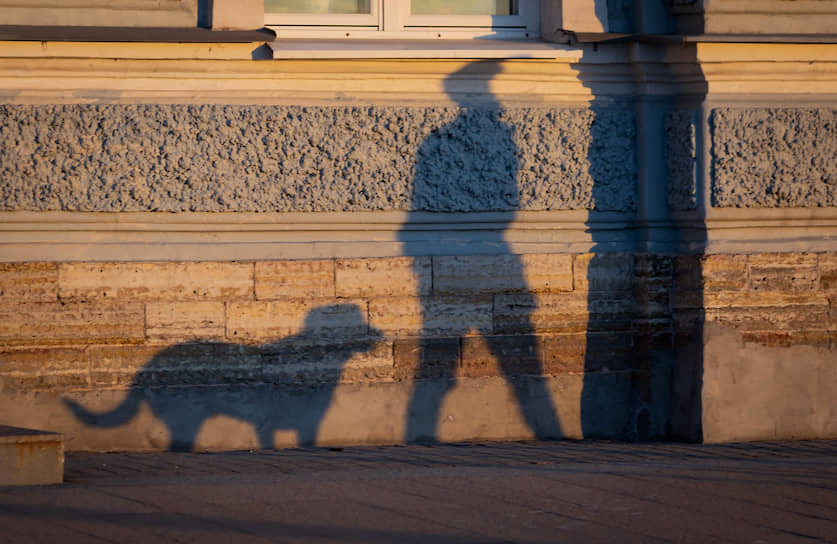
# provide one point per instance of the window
(449, 19)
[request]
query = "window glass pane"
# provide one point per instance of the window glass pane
(463, 7)
(317, 6)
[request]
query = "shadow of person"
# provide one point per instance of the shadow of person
(187, 384)
(470, 164)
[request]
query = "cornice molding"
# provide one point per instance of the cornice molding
(67, 236)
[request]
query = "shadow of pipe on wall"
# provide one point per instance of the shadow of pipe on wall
(258, 385)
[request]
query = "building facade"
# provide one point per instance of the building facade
(568, 219)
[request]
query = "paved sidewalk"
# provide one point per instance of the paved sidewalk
(509, 492)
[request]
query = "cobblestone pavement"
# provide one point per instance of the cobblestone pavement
(499, 492)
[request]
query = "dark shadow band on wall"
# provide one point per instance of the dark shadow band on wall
(643, 362)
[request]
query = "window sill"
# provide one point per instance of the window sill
(296, 48)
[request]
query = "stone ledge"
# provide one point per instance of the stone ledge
(30, 457)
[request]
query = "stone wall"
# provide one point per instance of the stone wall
(330, 351)
(774, 157)
(212, 158)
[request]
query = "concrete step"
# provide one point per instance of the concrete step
(30, 457)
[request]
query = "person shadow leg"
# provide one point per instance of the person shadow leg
(470, 164)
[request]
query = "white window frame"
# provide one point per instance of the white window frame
(391, 19)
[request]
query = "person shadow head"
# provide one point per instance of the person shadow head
(466, 170)
(287, 385)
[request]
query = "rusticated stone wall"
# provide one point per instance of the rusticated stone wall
(774, 157)
(215, 158)
(681, 158)
(339, 343)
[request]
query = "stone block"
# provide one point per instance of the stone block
(294, 279)
(681, 300)
(437, 316)
(360, 359)
(710, 272)
(724, 272)
(767, 338)
(154, 281)
(562, 312)
(604, 351)
(764, 299)
(817, 339)
(30, 457)
(653, 326)
(180, 321)
(517, 355)
(187, 364)
(390, 276)
(502, 355)
(44, 369)
(687, 324)
(651, 265)
(72, 323)
(828, 271)
(316, 320)
(422, 358)
(502, 273)
(603, 271)
(33, 282)
(783, 272)
(564, 353)
(766, 311)
(586, 352)
(832, 306)
(652, 296)
(365, 360)
(687, 274)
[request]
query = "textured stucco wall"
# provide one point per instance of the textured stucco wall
(288, 158)
(774, 157)
(679, 126)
